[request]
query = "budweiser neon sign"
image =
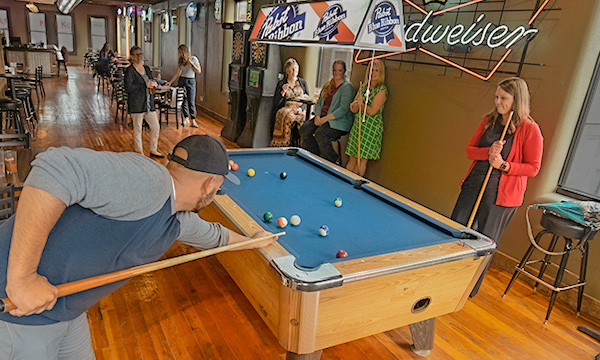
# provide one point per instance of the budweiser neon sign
(424, 33)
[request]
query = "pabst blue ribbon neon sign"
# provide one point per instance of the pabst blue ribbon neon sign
(327, 27)
(282, 23)
(382, 22)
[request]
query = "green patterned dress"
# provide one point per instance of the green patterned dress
(371, 129)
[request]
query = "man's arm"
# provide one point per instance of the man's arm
(36, 215)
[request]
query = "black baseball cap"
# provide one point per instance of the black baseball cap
(205, 154)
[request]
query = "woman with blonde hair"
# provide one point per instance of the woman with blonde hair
(366, 134)
(333, 118)
(287, 113)
(187, 68)
(513, 160)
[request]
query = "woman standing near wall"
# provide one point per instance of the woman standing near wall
(367, 131)
(187, 68)
(514, 159)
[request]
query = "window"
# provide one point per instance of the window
(98, 32)
(581, 174)
(37, 28)
(64, 29)
(4, 27)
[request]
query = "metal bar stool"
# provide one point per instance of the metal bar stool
(568, 230)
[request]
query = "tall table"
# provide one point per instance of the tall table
(11, 83)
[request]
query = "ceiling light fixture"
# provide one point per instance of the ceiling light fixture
(66, 6)
(32, 7)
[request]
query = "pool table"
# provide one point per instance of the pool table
(406, 264)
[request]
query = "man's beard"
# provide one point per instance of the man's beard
(205, 201)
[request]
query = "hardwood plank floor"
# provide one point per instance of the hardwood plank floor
(195, 310)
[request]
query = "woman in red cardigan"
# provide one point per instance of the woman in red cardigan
(514, 159)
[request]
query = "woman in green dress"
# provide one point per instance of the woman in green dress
(365, 137)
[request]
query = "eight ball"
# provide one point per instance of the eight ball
(283, 175)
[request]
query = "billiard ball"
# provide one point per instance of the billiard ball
(341, 254)
(283, 175)
(324, 230)
(282, 222)
(295, 220)
(268, 216)
(251, 172)
(231, 163)
(234, 167)
(338, 202)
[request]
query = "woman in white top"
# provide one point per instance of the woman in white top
(188, 67)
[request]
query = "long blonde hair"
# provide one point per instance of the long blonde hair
(184, 55)
(379, 65)
(330, 85)
(516, 87)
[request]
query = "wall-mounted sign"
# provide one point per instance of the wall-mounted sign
(376, 24)
(166, 22)
(191, 11)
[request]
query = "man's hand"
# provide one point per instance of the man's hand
(31, 295)
(236, 238)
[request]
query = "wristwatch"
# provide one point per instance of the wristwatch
(503, 166)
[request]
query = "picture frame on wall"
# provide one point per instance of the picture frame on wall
(147, 31)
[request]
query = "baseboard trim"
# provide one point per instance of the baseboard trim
(211, 113)
(589, 305)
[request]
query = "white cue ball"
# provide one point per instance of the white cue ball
(295, 220)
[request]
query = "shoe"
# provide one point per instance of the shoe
(159, 155)
(194, 123)
(186, 122)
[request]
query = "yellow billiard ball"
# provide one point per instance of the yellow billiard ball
(251, 172)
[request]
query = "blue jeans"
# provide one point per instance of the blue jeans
(188, 108)
(317, 139)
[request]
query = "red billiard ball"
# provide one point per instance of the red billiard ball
(341, 254)
(234, 167)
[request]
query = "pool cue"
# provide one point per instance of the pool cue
(96, 281)
(362, 118)
(487, 177)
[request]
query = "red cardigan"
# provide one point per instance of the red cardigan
(525, 158)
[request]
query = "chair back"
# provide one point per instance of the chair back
(177, 97)
(7, 202)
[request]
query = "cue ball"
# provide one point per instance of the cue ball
(282, 222)
(268, 216)
(341, 254)
(338, 202)
(295, 220)
(283, 175)
(324, 230)
(234, 167)
(251, 172)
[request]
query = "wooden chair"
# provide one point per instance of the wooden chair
(10, 140)
(173, 105)
(121, 97)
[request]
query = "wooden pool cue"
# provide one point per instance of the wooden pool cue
(96, 281)
(487, 176)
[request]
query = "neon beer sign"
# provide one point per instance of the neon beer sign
(424, 33)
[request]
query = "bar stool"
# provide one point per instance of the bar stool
(10, 116)
(568, 230)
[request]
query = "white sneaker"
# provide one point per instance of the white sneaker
(194, 123)
(186, 122)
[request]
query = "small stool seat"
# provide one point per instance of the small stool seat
(558, 227)
(10, 104)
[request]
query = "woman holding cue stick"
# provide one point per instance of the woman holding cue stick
(364, 142)
(501, 163)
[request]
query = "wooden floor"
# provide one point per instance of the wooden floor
(195, 311)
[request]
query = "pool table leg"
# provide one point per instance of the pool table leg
(423, 334)
(312, 356)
